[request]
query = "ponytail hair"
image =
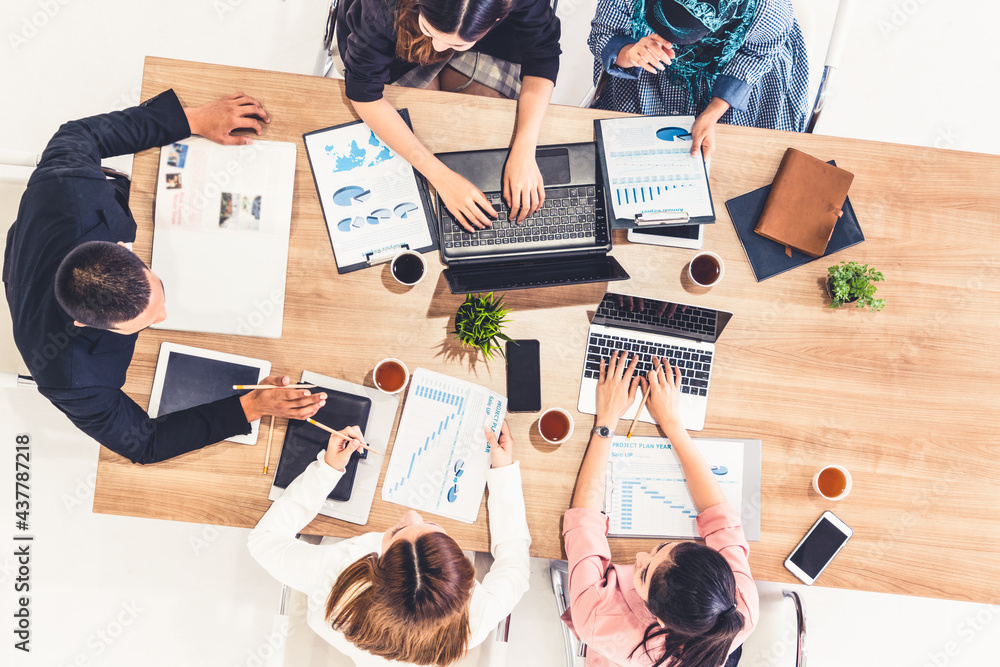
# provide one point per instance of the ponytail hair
(694, 594)
(469, 19)
(411, 604)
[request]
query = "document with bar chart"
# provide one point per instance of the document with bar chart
(647, 494)
(440, 457)
(649, 173)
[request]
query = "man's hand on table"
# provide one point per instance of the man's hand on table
(287, 403)
(219, 119)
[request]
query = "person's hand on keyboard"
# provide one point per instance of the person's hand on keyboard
(523, 187)
(464, 201)
(617, 385)
(664, 387)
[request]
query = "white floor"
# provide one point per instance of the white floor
(113, 591)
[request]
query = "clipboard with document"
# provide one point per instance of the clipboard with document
(650, 177)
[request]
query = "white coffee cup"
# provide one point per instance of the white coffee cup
(569, 431)
(406, 375)
(408, 253)
(707, 253)
(847, 482)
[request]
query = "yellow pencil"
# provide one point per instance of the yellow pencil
(273, 386)
(267, 454)
(642, 404)
(345, 437)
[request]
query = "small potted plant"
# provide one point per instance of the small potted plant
(850, 282)
(478, 324)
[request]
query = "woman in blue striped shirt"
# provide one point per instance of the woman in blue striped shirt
(732, 61)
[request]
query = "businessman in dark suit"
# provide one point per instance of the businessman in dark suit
(78, 296)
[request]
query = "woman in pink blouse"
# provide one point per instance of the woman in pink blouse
(683, 604)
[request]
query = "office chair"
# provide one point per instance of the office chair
(819, 20)
(296, 645)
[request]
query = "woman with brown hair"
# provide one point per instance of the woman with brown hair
(408, 595)
(499, 48)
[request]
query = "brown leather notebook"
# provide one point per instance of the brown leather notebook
(805, 201)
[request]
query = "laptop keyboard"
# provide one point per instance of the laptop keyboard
(567, 219)
(694, 364)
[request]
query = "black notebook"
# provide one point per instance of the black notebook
(303, 441)
(768, 258)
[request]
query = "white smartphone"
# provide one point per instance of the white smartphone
(678, 236)
(823, 541)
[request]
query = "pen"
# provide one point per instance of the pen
(273, 386)
(347, 438)
(267, 454)
(642, 404)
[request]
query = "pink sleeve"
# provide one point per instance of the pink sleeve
(589, 556)
(722, 529)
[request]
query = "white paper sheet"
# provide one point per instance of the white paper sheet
(651, 169)
(647, 493)
(220, 237)
(369, 194)
(439, 460)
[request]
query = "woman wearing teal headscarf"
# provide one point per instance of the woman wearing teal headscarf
(741, 62)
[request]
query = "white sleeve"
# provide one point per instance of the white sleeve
(305, 567)
(507, 580)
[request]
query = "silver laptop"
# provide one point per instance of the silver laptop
(682, 334)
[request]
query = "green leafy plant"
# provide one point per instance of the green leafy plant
(853, 282)
(478, 324)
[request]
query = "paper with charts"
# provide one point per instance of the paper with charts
(647, 494)
(651, 169)
(369, 194)
(439, 460)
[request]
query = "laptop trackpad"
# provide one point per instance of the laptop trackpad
(554, 165)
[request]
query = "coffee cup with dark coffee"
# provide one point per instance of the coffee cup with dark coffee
(706, 269)
(408, 267)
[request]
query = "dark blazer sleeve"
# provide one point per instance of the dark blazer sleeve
(538, 29)
(113, 419)
(370, 50)
(79, 145)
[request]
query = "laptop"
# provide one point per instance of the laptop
(566, 242)
(682, 334)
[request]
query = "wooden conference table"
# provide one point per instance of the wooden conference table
(901, 398)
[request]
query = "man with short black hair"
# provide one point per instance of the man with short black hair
(78, 296)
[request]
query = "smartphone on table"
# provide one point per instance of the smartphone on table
(524, 376)
(823, 541)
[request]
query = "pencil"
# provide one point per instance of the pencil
(267, 454)
(345, 437)
(273, 386)
(642, 404)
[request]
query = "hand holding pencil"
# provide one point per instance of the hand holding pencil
(339, 449)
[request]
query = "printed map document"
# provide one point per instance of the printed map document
(650, 174)
(371, 197)
(440, 457)
(220, 235)
(647, 494)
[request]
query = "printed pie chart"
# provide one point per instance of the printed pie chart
(720, 470)
(672, 133)
(404, 209)
(351, 194)
(378, 215)
(344, 225)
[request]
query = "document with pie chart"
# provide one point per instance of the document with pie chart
(374, 202)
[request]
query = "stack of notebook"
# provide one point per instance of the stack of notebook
(803, 215)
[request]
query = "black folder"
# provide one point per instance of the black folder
(768, 258)
(303, 441)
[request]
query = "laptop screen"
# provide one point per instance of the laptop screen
(661, 317)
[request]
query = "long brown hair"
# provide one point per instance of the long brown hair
(411, 604)
(469, 19)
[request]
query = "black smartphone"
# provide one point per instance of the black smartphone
(524, 376)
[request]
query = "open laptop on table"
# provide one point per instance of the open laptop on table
(682, 334)
(565, 242)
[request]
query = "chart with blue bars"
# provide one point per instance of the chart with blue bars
(439, 458)
(437, 435)
(646, 502)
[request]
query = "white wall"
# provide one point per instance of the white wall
(115, 591)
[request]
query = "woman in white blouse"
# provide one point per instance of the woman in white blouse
(408, 595)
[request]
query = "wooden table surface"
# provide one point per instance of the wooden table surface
(901, 398)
